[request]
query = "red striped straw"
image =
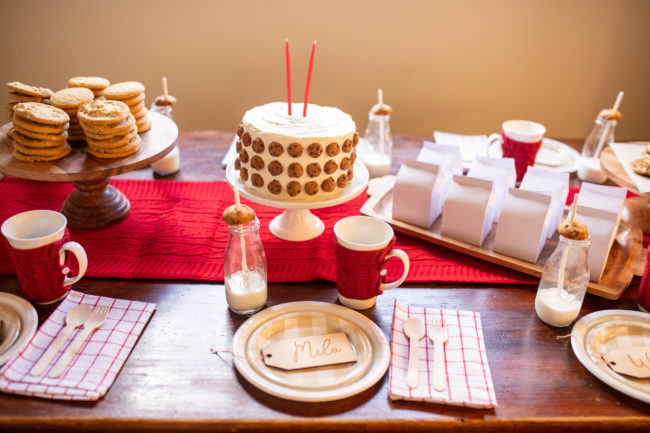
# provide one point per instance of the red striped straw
(311, 66)
(286, 44)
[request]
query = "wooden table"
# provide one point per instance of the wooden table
(172, 382)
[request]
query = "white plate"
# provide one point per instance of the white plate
(597, 333)
(244, 363)
(28, 323)
(553, 155)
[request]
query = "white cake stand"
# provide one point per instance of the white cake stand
(297, 223)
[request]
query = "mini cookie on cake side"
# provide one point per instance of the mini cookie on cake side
(297, 158)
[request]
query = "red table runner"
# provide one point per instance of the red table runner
(175, 231)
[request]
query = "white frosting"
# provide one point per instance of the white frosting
(323, 125)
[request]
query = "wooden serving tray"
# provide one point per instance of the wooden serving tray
(619, 270)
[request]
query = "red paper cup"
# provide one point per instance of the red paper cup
(37, 242)
(364, 244)
(643, 295)
(521, 140)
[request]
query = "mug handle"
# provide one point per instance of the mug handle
(492, 140)
(407, 264)
(81, 257)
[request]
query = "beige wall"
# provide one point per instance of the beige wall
(461, 66)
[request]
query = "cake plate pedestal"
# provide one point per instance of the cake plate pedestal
(93, 204)
(297, 223)
(636, 210)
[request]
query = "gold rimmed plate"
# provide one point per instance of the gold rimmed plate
(598, 333)
(369, 342)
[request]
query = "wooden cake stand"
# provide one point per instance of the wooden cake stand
(94, 204)
(636, 210)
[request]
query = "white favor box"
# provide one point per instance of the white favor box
(499, 170)
(602, 226)
(419, 192)
(600, 208)
(467, 216)
(442, 154)
(470, 145)
(554, 183)
(521, 232)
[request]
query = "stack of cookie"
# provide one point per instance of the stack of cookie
(39, 132)
(69, 100)
(19, 92)
(132, 94)
(94, 84)
(110, 129)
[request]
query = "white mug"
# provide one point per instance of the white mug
(38, 228)
(362, 233)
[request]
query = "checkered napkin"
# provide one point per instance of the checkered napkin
(469, 382)
(94, 368)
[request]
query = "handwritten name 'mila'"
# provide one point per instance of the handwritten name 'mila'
(306, 349)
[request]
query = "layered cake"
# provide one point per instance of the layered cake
(295, 157)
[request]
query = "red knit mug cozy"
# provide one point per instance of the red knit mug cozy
(523, 153)
(40, 272)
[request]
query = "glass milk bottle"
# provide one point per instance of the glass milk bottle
(602, 135)
(171, 162)
(559, 295)
(377, 146)
(245, 268)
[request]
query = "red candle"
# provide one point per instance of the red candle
(286, 44)
(311, 66)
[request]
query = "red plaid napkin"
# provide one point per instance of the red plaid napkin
(469, 382)
(93, 370)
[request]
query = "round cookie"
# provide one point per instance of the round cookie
(258, 145)
(295, 170)
(351, 173)
(102, 132)
(275, 187)
(332, 149)
(136, 108)
(119, 152)
(27, 141)
(314, 150)
(257, 180)
(40, 136)
(345, 163)
(355, 139)
(313, 169)
(240, 130)
(244, 156)
(71, 97)
(237, 163)
(246, 139)
(353, 157)
(275, 149)
(238, 216)
(124, 90)
(641, 166)
(112, 142)
(40, 151)
(330, 167)
(295, 150)
(38, 127)
(342, 181)
(134, 100)
(275, 168)
(103, 112)
(311, 188)
(238, 146)
(573, 230)
(347, 146)
(139, 114)
(243, 174)
(257, 163)
(32, 158)
(293, 188)
(24, 98)
(92, 83)
(26, 89)
(328, 185)
(144, 124)
(41, 113)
